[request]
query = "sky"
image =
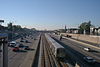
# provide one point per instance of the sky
(50, 14)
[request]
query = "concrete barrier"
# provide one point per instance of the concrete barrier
(88, 38)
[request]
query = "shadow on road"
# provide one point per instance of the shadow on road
(24, 51)
(30, 49)
(94, 51)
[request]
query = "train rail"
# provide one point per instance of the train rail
(51, 58)
(46, 57)
(63, 64)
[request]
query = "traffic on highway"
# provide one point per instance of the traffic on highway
(49, 33)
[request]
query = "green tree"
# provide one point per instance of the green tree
(85, 27)
(33, 29)
(17, 28)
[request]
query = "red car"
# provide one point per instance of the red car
(16, 49)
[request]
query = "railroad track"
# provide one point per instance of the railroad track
(46, 57)
(51, 58)
(63, 64)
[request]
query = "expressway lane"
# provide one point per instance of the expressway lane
(76, 50)
(15, 59)
(85, 53)
(92, 53)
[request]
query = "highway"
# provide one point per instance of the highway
(75, 50)
(15, 59)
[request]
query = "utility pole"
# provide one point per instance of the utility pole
(3, 42)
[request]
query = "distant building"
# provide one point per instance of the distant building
(95, 31)
(72, 30)
(92, 30)
(99, 31)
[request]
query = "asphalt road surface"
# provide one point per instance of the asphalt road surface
(75, 50)
(15, 59)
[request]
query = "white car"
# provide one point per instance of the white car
(89, 59)
(87, 49)
(13, 43)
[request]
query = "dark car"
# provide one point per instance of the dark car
(69, 36)
(89, 59)
(26, 48)
(21, 45)
(24, 41)
(35, 39)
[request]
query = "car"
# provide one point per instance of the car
(87, 49)
(24, 41)
(35, 39)
(21, 46)
(22, 38)
(89, 59)
(15, 49)
(26, 48)
(12, 43)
